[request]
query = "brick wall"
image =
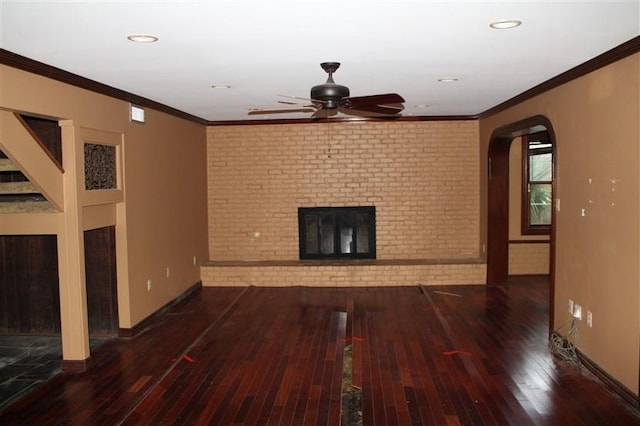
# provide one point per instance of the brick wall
(423, 178)
(348, 275)
(528, 259)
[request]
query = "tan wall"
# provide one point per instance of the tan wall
(596, 123)
(524, 258)
(162, 222)
(422, 178)
(166, 209)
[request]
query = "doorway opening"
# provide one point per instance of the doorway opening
(498, 205)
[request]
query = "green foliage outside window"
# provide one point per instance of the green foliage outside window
(540, 170)
(537, 184)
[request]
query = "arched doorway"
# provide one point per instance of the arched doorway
(498, 199)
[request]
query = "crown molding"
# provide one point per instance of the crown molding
(619, 52)
(14, 60)
(341, 120)
(35, 67)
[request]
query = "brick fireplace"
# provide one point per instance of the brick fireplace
(422, 178)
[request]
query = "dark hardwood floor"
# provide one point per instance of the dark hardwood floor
(454, 355)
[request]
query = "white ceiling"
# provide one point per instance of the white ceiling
(269, 47)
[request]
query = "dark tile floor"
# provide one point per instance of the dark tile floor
(26, 362)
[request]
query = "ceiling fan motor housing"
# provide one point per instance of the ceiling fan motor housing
(330, 93)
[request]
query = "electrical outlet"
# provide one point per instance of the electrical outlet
(168, 272)
(589, 318)
(577, 311)
(571, 306)
(195, 261)
(148, 285)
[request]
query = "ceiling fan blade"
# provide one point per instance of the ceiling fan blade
(316, 103)
(379, 109)
(325, 113)
(369, 113)
(297, 103)
(295, 97)
(383, 99)
(261, 111)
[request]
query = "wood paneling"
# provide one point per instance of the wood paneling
(101, 279)
(498, 205)
(29, 292)
(48, 133)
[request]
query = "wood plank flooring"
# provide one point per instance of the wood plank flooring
(456, 355)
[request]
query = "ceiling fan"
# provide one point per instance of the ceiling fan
(330, 98)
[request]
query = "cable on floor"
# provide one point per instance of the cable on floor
(565, 347)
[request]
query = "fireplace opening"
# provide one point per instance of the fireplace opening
(337, 232)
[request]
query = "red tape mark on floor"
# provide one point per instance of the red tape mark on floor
(456, 351)
(355, 338)
(188, 358)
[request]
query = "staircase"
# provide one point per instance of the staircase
(17, 194)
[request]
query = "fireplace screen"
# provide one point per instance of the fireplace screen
(337, 232)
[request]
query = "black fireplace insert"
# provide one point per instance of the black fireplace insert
(337, 232)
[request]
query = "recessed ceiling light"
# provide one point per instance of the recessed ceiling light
(505, 24)
(421, 106)
(220, 86)
(447, 79)
(142, 38)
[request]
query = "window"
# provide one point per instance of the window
(337, 232)
(537, 179)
